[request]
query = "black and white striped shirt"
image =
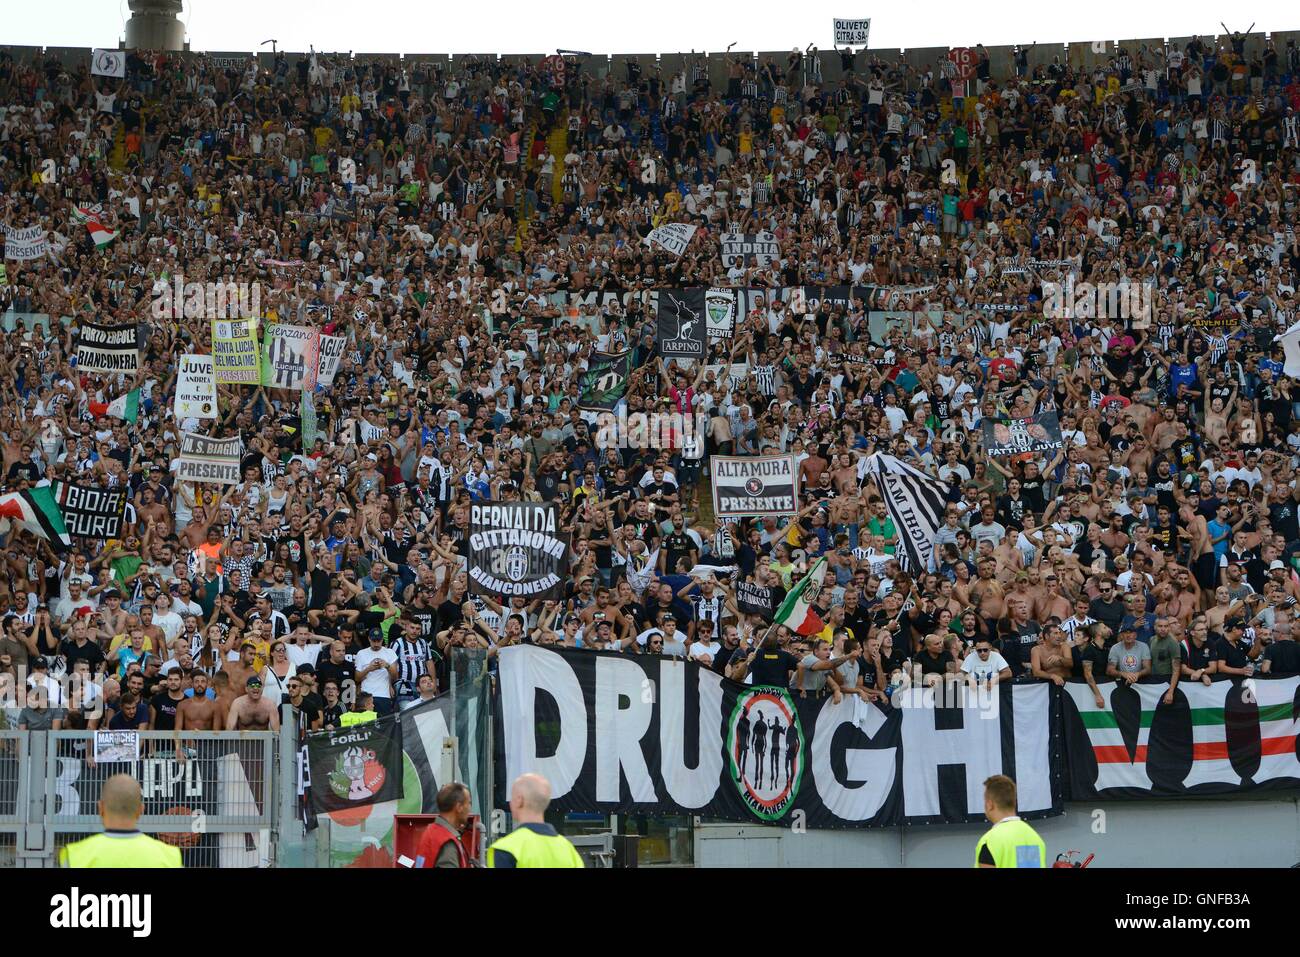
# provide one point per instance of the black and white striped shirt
(765, 377)
(411, 658)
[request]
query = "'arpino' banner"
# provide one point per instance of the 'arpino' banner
(1235, 735)
(645, 735)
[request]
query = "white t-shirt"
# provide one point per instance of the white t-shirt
(307, 654)
(700, 648)
(378, 682)
(982, 669)
(674, 644)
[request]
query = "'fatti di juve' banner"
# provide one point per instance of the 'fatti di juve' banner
(650, 735)
(91, 511)
(754, 485)
(1036, 433)
(516, 548)
(109, 349)
(1232, 736)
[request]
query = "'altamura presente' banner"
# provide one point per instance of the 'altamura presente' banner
(745, 486)
(1234, 735)
(517, 548)
(650, 735)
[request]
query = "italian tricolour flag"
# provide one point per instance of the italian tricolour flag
(123, 407)
(90, 216)
(797, 612)
(36, 511)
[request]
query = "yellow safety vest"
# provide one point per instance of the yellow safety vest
(349, 718)
(531, 849)
(1013, 843)
(121, 849)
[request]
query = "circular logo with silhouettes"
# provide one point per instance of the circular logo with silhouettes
(767, 752)
(754, 487)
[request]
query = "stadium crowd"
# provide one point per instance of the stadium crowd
(492, 240)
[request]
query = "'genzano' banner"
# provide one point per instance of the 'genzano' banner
(749, 249)
(720, 308)
(196, 388)
(852, 33)
(1036, 433)
(91, 511)
(680, 327)
(604, 383)
(754, 485)
(765, 754)
(356, 766)
(215, 461)
(290, 352)
(1234, 736)
(108, 63)
(108, 348)
(330, 354)
(235, 353)
(671, 237)
(29, 242)
(516, 548)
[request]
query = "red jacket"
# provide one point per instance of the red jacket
(431, 843)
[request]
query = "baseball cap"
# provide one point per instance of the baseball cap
(40, 662)
(1275, 564)
(1236, 624)
(254, 680)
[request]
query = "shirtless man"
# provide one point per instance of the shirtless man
(200, 712)
(225, 697)
(987, 593)
(1052, 603)
(1051, 659)
(811, 469)
(240, 671)
(251, 711)
(1202, 559)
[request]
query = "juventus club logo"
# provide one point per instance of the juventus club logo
(766, 749)
(754, 486)
(517, 563)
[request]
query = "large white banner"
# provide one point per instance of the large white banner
(671, 237)
(28, 242)
(852, 33)
(196, 388)
(749, 249)
(331, 350)
(108, 63)
(290, 352)
(214, 461)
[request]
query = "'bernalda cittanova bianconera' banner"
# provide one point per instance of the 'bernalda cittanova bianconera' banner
(516, 548)
(754, 485)
(651, 735)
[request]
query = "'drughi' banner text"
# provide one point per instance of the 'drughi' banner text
(646, 735)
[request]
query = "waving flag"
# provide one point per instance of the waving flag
(797, 612)
(123, 407)
(36, 511)
(916, 503)
(90, 217)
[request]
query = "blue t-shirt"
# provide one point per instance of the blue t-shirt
(1181, 375)
(1216, 529)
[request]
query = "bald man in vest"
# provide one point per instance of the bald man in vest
(441, 845)
(121, 844)
(533, 843)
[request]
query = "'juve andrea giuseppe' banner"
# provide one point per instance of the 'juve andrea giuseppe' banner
(648, 735)
(745, 486)
(516, 548)
(108, 348)
(88, 510)
(1230, 737)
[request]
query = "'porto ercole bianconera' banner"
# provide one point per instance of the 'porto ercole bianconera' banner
(649, 735)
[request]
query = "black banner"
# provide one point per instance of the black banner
(91, 511)
(749, 249)
(516, 548)
(650, 735)
(758, 599)
(681, 327)
(356, 766)
(605, 381)
(1037, 433)
(108, 349)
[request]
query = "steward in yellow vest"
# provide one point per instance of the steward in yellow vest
(534, 843)
(121, 844)
(1010, 842)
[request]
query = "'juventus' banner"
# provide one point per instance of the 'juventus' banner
(604, 383)
(680, 331)
(91, 511)
(1036, 433)
(749, 249)
(215, 461)
(700, 744)
(915, 502)
(1236, 735)
(754, 485)
(108, 349)
(516, 548)
(290, 352)
(196, 388)
(671, 237)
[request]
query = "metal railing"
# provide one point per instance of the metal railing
(215, 795)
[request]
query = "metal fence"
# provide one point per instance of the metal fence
(215, 795)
